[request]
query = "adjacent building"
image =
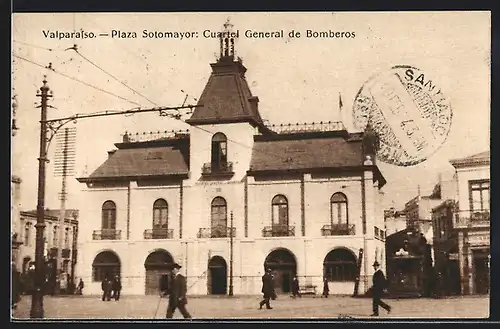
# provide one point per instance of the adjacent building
(419, 214)
(446, 262)
(395, 221)
(16, 240)
(15, 196)
(27, 235)
(232, 197)
(471, 222)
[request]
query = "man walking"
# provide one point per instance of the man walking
(267, 289)
(79, 289)
(326, 289)
(379, 285)
(295, 287)
(177, 298)
(106, 289)
(117, 288)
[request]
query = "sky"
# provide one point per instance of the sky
(297, 80)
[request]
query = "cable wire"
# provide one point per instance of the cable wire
(76, 79)
(115, 78)
(34, 46)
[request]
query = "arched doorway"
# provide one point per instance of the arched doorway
(284, 267)
(158, 267)
(340, 265)
(106, 265)
(217, 276)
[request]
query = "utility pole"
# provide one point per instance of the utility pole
(231, 257)
(64, 165)
(37, 298)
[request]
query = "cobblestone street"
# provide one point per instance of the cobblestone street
(136, 307)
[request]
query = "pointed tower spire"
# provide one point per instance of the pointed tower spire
(227, 40)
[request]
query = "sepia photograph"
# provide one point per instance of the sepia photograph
(250, 165)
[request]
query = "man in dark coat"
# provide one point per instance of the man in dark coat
(177, 297)
(379, 285)
(295, 287)
(106, 289)
(267, 289)
(79, 288)
(117, 287)
(326, 289)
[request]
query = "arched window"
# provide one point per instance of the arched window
(340, 265)
(27, 234)
(338, 208)
(66, 237)
(219, 152)
(55, 236)
(106, 264)
(280, 211)
(219, 218)
(108, 215)
(160, 214)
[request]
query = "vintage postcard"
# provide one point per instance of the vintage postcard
(319, 165)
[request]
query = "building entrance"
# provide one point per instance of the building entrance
(481, 271)
(284, 267)
(217, 276)
(158, 267)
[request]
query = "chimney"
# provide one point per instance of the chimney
(110, 153)
(126, 138)
(254, 103)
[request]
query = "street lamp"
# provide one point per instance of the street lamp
(37, 298)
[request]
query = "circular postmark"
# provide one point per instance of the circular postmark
(408, 112)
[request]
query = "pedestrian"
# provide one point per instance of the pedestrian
(178, 291)
(116, 286)
(106, 289)
(79, 288)
(326, 288)
(295, 287)
(438, 291)
(267, 289)
(379, 286)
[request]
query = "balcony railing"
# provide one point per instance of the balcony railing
(218, 169)
(216, 232)
(278, 230)
(338, 229)
(472, 218)
(159, 233)
(107, 234)
(66, 252)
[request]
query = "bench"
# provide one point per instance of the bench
(307, 290)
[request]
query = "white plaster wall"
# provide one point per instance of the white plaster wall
(141, 209)
(318, 193)
(197, 206)
(90, 211)
(260, 196)
(239, 148)
(464, 175)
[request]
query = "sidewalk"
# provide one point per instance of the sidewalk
(144, 307)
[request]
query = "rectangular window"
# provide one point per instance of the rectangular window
(66, 238)
(339, 213)
(479, 195)
(219, 216)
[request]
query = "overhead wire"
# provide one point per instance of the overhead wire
(76, 79)
(112, 76)
(169, 116)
